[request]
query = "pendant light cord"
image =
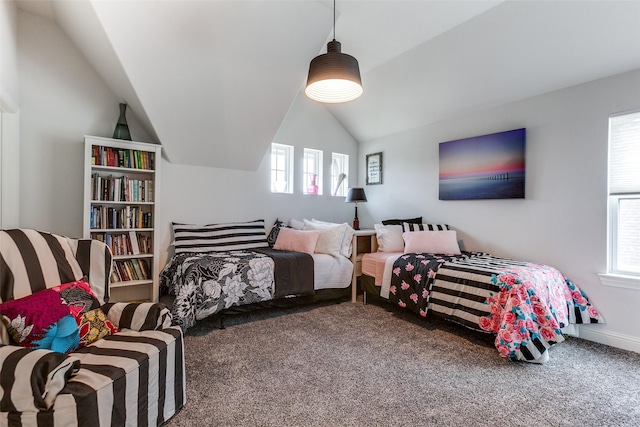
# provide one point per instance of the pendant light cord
(334, 19)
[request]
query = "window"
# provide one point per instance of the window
(624, 194)
(339, 174)
(312, 172)
(281, 168)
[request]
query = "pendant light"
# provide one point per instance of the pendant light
(334, 77)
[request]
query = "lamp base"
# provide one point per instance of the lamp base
(356, 224)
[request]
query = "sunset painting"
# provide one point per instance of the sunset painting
(483, 167)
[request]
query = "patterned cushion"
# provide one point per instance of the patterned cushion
(41, 320)
(273, 234)
(347, 238)
(94, 325)
(78, 297)
(219, 237)
(331, 235)
(423, 227)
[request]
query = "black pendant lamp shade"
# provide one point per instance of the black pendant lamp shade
(334, 77)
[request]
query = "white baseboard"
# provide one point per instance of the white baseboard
(625, 342)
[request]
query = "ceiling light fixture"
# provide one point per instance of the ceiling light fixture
(334, 77)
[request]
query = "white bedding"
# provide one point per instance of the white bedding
(331, 272)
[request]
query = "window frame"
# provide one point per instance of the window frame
(317, 156)
(344, 168)
(286, 169)
(616, 276)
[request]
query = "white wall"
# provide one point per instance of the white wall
(9, 117)
(63, 99)
(208, 195)
(563, 219)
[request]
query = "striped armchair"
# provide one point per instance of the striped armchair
(129, 378)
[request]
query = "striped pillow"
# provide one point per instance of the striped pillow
(31, 261)
(423, 227)
(138, 316)
(219, 237)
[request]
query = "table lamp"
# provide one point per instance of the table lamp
(355, 195)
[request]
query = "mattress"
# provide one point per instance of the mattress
(331, 272)
(373, 264)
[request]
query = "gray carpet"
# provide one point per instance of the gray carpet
(355, 365)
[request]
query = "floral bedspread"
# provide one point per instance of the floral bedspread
(204, 284)
(525, 304)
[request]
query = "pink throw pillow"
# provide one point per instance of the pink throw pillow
(297, 240)
(435, 242)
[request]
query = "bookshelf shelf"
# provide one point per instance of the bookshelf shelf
(121, 179)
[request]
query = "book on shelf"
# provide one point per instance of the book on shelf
(135, 249)
(122, 158)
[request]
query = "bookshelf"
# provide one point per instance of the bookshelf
(121, 179)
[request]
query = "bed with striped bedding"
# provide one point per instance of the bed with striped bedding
(527, 306)
(134, 377)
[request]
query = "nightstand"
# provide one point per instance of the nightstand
(364, 241)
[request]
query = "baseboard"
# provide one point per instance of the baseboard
(625, 342)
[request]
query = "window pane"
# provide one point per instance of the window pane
(281, 168)
(312, 173)
(624, 154)
(628, 239)
(339, 174)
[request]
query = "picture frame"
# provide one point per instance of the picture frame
(374, 168)
(489, 166)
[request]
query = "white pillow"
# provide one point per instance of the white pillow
(347, 239)
(435, 242)
(295, 224)
(330, 240)
(389, 238)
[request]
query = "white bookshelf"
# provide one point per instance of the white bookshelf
(121, 179)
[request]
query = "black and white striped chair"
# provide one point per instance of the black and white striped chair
(134, 377)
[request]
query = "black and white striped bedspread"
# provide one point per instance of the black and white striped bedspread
(461, 288)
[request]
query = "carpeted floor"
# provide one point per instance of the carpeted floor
(372, 365)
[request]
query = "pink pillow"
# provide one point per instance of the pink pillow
(297, 240)
(435, 242)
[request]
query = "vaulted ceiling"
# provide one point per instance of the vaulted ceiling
(213, 80)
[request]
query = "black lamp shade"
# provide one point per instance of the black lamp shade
(334, 77)
(355, 195)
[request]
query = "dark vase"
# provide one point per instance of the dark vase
(122, 129)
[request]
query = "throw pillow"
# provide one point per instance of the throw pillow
(436, 242)
(347, 238)
(297, 240)
(233, 236)
(41, 320)
(407, 226)
(417, 220)
(94, 325)
(389, 238)
(273, 234)
(78, 296)
(330, 240)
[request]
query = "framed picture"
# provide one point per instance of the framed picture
(374, 168)
(483, 167)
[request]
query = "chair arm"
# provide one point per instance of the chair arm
(138, 316)
(32, 378)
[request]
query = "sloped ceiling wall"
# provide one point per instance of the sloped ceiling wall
(213, 80)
